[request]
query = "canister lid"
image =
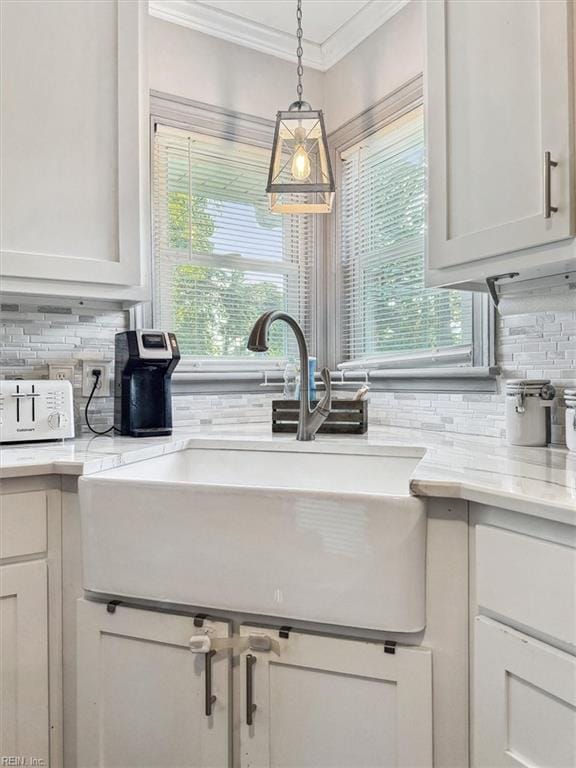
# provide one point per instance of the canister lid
(525, 385)
(527, 382)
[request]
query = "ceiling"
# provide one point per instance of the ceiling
(332, 28)
(321, 18)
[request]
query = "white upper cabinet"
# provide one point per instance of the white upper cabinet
(499, 142)
(74, 148)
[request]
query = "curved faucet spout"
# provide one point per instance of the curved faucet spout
(309, 422)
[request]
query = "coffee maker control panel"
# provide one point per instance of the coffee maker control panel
(156, 345)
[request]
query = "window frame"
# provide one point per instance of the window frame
(197, 117)
(481, 374)
(238, 376)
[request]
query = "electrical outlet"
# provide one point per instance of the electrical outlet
(61, 372)
(88, 368)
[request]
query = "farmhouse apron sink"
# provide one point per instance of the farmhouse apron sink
(311, 532)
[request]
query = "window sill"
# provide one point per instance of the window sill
(392, 380)
(483, 380)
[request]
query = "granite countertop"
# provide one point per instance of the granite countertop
(534, 481)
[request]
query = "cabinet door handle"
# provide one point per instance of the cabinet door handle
(549, 209)
(209, 696)
(250, 706)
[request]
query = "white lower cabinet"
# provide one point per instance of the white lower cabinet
(24, 693)
(304, 700)
(313, 701)
(524, 702)
(142, 694)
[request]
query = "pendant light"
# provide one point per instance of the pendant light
(300, 179)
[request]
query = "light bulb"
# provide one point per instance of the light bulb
(301, 164)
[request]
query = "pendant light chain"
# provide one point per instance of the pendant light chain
(299, 51)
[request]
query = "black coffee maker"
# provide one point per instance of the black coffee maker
(142, 382)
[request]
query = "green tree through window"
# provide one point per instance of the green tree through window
(222, 258)
(388, 310)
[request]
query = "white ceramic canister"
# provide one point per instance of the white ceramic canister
(528, 404)
(570, 401)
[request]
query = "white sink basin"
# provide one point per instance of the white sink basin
(292, 532)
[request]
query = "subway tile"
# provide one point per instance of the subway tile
(537, 346)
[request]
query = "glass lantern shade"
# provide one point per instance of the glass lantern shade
(300, 178)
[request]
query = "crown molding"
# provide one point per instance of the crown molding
(236, 29)
(357, 29)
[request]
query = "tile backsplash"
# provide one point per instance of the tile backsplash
(196, 410)
(537, 346)
(36, 335)
(32, 336)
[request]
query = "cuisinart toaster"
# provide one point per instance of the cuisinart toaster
(32, 409)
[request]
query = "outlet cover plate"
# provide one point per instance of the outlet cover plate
(88, 379)
(61, 372)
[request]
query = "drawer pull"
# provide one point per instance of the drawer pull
(209, 696)
(250, 706)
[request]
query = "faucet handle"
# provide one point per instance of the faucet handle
(326, 403)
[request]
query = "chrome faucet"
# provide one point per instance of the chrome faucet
(309, 422)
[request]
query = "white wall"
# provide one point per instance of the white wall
(196, 66)
(187, 63)
(391, 56)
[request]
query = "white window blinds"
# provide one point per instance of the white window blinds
(221, 258)
(388, 316)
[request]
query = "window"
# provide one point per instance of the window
(388, 318)
(220, 257)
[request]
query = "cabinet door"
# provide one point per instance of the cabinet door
(142, 692)
(498, 99)
(524, 701)
(23, 524)
(73, 155)
(335, 703)
(24, 723)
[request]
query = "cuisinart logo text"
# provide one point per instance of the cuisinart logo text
(25, 429)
